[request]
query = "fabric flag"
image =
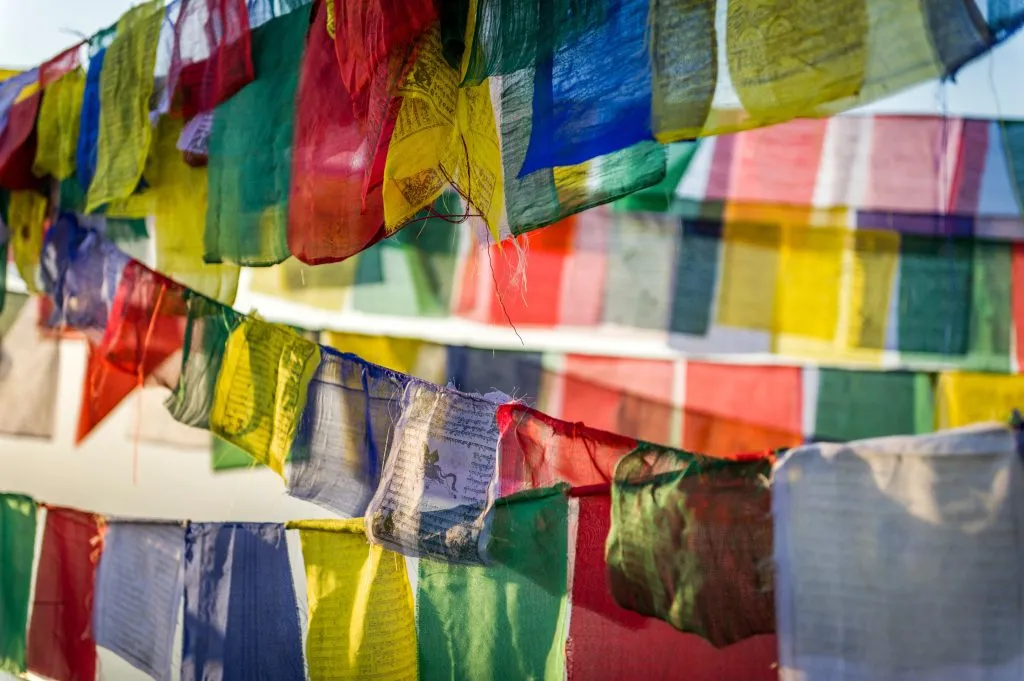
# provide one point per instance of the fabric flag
(125, 86)
(536, 450)
(647, 243)
(444, 134)
(325, 287)
(644, 647)
(17, 551)
(60, 114)
(329, 218)
(661, 197)
(152, 423)
(506, 619)
(18, 139)
(966, 398)
(854, 405)
(344, 433)
(139, 592)
(144, 330)
(241, 615)
(691, 540)
(29, 371)
(211, 57)
(362, 621)
(26, 220)
(262, 388)
(60, 637)
(250, 152)
(89, 125)
(873, 593)
(398, 354)
(476, 370)
(733, 408)
(440, 475)
(207, 330)
(179, 198)
(224, 456)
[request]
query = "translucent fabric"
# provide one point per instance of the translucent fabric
(329, 218)
(17, 551)
(370, 33)
(211, 57)
(346, 428)
(607, 642)
(440, 475)
(262, 389)
(18, 144)
(60, 641)
(144, 330)
(15, 86)
(57, 129)
(362, 621)
(507, 35)
(241, 615)
(207, 331)
(853, 405)
(89, 125)
(29, 370)
(251, 151)
(965, 398)
(138, 594)
(507, 619)
(178, 193)
(26, 220)
(691, 543)
(873, 593)
(125, 86)
(536, 450)
(444, 134)
(80, 272)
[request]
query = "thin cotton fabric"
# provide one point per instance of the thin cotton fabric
(18, 142)
(125, 87)
(241, 616)
(854, 405)
(440, 475)
(507, 619)
(872, 594)
(26, 220)
(251, 149)
(207, 329)
(60, 637)
(329, 216)
(691, 541)
(60, 114)
(343, 437)
(608, 642)
(964, 398)
(89, 125)
(362, 621)
(138, 594)
(29, 371)
(211, 58)
(262, 389)
(536, 450)
(17, 553)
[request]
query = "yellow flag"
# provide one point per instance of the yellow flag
(57, 126)
(26, 217)
(444, 134)
(965, 398)
(261, 390)
(126, 85)
(362, 622)
(398, 354)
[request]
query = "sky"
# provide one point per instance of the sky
(33, 30)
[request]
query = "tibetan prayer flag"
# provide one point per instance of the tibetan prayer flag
(262, 388)
(138, 594)
(440, 475)
(29, 371)
(344, 433)
(17, 552)
(506, 619)
(893, 557)
(476, 370)
(641, 243)
(125, 86)
(398, 354)
(60, 636)
(250, 152)
(207, 330)
(18, 143)
(536, 450)
(607, 642)
(854, 405)
(966, 398)
(731, 409)
(325, 287)
(691, 542)
(60, 115)
(224, 456)
(89, 125)
(241, 615)
(26, 220)
(362, 621)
